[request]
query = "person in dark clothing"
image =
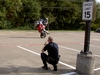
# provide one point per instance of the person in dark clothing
(53, 54)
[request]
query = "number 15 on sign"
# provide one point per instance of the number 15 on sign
(87, 11)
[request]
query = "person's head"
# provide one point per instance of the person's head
(46, 18)
(50, 39)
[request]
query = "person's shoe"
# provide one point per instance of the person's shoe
(55, 67)
(44, 67)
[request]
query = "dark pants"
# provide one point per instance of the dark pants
(45, 57)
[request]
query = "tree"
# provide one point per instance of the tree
(96, 23)
(11, 7)
(30, 12)
(18, 13)
(62, 13)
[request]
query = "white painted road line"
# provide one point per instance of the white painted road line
(79, 51)
(59, 61)
(92, 45)
(69, 48)
(95, 46)
(97, 56)
(13, 32)
(96, 69)
(28, 50)
(39, 55)
(67, 65)
(71, 73)
(1, 34)
(96, 39)
(75, 50)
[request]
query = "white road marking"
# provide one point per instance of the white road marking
(76, 50)
(71, 73)
(95, 46)
(79, 51)
(96, 69)
(1, 34)
(29, 32)
(67, 65)
(59, 61)
(28, 50)
(97, 56)
(69, 48)
(92, 45)
(39, 55)
(23, 34)
(96, 39)
(12, 32)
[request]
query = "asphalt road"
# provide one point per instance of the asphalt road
(20, 52)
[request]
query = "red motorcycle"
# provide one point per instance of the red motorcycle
(41, 30)
(40, 25)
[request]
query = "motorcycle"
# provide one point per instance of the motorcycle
(41, 30)
(40, 25)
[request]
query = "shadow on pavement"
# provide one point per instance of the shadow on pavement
(25, 69)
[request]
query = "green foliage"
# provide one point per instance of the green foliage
(62, 14)
(18, 13)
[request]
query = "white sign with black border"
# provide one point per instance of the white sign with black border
(87, 11)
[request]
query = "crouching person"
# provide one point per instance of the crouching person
(53, 54)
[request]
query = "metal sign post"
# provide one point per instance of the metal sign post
(87, 37)
(87, 16)
(85, 60)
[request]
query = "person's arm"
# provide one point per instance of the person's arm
(46, 43)
(44, 47)
(42, 50)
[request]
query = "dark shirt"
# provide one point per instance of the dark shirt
(45, 22)
(52, 49)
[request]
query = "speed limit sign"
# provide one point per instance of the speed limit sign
(87, 11)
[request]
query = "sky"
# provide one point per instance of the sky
(98, 1)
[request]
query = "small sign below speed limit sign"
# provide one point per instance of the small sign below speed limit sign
(87, 11)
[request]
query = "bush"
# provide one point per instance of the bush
(94, 26)
(26, 27)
